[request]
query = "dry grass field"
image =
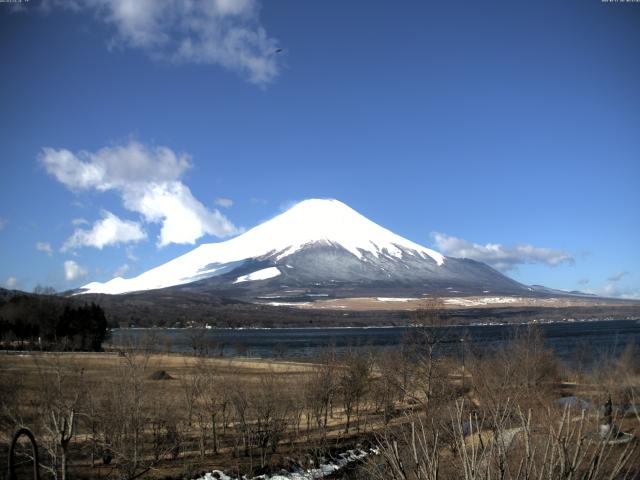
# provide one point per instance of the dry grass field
(177, 395)
(364, 304)
(137, 414)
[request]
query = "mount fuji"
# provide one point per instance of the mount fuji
(317, 248)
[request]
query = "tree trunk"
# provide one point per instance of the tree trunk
(348, 413)
(63, 462)
(326, 412)
(215, 434)
(203, 443)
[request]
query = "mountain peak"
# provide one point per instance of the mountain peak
(321, 204)
(332, 221)
(327, 210)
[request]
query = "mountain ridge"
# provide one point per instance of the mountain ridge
(323, 247)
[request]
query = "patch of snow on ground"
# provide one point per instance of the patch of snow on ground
(263, 274)
(393, 299)
(322, 471)
(216, 474)
(469, 302)
(288, 304)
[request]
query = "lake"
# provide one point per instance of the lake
(598, 338)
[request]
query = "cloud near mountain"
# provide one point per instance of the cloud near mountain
(616, 277)
(73, 271)
(111, 230)
(499, 256)
(149, 182)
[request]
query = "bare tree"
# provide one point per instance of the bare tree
(61, 392)
(240, 403)
(390, 383)
(432, 328)
(523, 448)
(524, 371)
(353, 381)
(124, 415)
(271, 409)
(320, 390)
(191, 386)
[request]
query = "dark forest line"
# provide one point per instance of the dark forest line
(161, 308)
(47, 322)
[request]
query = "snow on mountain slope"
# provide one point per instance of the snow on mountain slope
(309, 222)
(263, 274)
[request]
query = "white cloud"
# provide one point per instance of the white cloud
(630, 294)
(227, 33)
(130, 255)
(616, 277)
(73, 271)
(613, 290)
(184, 219)
(223, 202)
(114, 167)
(584, 281)
(499, 256)
(11, 282)
(121, 270)
(79, 221)
(111, 230)
(148, 180)
(44, 247)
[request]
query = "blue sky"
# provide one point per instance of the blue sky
(503, 131)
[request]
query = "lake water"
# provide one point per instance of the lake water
(595, 338)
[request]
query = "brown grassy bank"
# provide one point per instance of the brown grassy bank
(137, 414)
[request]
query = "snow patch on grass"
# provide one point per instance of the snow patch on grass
(470, 302)
(324, 470)
(394, 299)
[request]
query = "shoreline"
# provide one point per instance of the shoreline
(370, 327)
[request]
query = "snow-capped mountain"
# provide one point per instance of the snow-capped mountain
(320, 246)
